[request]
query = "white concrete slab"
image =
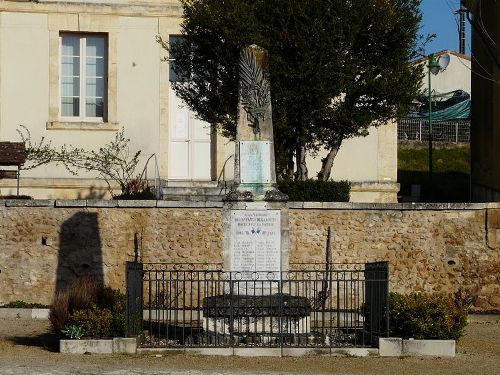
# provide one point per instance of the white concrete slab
(436, 348)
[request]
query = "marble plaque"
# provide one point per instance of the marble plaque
(255, 162)
(255, 242)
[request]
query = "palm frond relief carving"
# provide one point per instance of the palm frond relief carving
(254, 89)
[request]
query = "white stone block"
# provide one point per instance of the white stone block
(390, 346)
(436, 348)
(126, 345)
(86, 346)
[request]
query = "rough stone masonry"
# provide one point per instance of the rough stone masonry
(430, 248)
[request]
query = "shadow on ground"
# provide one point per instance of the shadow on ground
(48, 341)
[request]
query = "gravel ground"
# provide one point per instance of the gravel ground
(28, 347)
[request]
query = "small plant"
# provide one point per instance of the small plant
(19, 304)
(95, 322)
(59, 311)
(114, 162)
(72, 331)
(99, 311)
(427, 316)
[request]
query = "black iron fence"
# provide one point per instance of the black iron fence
(310, 305)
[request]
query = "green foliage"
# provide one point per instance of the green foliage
(113, 161)
(316, 190)
(99, 311)
(15, 197)
(427, 316)
(94, 322)
(336, 66)
(451, 172)
(104, 319)
(73, 331)
(19, 304)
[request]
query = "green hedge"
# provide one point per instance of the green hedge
(427, 316)
(316, 190)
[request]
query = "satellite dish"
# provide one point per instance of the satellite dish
(444, 61)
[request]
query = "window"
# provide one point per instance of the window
(83, 77)
(173, 76)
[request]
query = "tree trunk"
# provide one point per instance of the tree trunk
(327, 162)
(284, 162)
(300, 156)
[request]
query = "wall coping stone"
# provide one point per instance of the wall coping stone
(97, 203)
(180, 204)
(216, 204)
(71, 203)
(136, 203)
(29, 203)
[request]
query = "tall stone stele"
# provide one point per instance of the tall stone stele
(255, 236)
(255, 212)
(254, 170)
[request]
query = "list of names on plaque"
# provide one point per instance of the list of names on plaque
(255, 242)
(255, 159)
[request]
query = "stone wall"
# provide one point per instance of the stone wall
(431, 248)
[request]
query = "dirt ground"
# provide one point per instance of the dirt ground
(28, 344)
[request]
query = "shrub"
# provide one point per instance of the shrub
(15, 197)
(427, 316)
(19, 304)
(146, 194)
(94, 322)
(98, 311)
(83, 292)
(59, 311)
(316, 190)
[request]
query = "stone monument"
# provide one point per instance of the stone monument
(255, 211)
(255, 223)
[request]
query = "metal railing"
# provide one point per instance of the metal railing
(158, 188)
(442, 131)
(321, 306)
(221, 180)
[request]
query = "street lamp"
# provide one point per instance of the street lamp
(433, 67)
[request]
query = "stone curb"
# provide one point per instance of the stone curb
(267, 352)
(397, 347)
(95, 203)
(9, 313)
(116, 345)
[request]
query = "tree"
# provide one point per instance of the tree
(336, 67)
(112, 162)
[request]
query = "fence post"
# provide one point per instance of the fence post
(134, 298)
(376, 308)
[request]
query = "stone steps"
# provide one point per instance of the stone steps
(193, 191)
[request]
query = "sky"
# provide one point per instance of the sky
(438, 18)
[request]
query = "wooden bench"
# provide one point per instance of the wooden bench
(12, 154)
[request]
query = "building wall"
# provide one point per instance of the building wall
(456, 76)
(137, 84)
(430, 248)
(485, 127)
(370, 163)
(138, 90)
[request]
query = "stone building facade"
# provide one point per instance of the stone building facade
(75, 72)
